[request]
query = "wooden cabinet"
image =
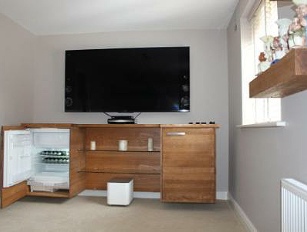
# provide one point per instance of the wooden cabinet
(11, 194)
(181, 164)
(107, 162)
(188, 163)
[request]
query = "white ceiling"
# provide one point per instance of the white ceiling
(47, 17)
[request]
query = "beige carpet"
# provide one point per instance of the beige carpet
(92, 214)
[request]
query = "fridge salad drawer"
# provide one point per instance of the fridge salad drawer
(48, 183)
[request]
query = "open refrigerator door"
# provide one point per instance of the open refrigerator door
(17, 165)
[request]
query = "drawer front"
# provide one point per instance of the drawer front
(188, 165)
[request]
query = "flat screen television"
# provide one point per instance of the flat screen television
(154, 79)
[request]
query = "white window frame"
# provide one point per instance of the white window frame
(256, 110)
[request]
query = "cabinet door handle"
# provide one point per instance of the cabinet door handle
(175, 133)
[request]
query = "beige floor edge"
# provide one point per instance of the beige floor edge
(92, 214)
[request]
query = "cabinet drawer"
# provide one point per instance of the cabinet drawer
(189, 139)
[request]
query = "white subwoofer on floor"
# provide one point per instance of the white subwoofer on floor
(119, 191)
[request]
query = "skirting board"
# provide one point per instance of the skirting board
(103, 193)
(151, 195)
(243, 217)
(222, 196)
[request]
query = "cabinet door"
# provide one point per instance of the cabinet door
(188, 165)
(11, 174)
(77, 161)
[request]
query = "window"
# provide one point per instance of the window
(261, 23)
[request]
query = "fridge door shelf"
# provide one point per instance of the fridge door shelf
(17, 157)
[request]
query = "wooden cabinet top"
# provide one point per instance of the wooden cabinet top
(190, 125)
(286, 77)
(66, 125)
(47, 125)
(119, 125)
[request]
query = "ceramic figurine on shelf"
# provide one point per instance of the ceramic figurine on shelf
(301, 11)
(283, 27)
(264, 64)
(277, 48)
(297, 29)
(267, 42)
(296, 34)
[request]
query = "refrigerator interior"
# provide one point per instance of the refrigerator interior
(50, 160)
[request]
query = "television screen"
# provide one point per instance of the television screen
(128, 80)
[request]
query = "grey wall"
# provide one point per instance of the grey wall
(286, 10)
(17, 72)
(235, 93)
(35, 88)
(260, 157)
(209, 83)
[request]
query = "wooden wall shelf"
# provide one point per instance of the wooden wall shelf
(288, 76)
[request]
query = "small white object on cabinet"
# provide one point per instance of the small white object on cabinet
(150, 144)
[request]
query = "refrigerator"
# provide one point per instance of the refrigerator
(38, 156)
